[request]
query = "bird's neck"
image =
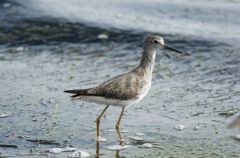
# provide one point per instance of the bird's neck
(147, 60)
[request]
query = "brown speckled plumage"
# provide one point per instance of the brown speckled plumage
(121, 87)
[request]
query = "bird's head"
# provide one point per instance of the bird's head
(156, 42)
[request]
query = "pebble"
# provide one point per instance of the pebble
(102, 36)
(147, 145)
(59, 150)
(3, 115)
(180, 127)
(136, 138)
(55, 150)
(79, 154)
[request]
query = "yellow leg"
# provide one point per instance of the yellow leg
(98, 121)
(118, 126)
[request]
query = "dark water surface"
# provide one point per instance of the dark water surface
(42, 56)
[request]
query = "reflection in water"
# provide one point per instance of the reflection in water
(117, 154)
(97, 150)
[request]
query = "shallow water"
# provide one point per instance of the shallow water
(41, 57)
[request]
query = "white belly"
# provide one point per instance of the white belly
(106, 101)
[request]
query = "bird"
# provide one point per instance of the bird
(125, 89)
(235, 123)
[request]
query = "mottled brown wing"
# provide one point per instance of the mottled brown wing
(123, 87)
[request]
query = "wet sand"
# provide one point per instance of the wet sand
(41, 58)
(195, 91)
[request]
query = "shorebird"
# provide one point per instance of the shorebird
(235, 123)
(125, 89)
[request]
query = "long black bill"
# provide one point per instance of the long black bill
(175, 50)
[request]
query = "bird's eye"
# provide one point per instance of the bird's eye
(155, 41)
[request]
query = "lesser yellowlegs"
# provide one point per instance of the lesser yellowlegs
(125, 89)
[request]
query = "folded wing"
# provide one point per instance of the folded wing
(122, 87)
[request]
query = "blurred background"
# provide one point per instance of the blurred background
(47, 46)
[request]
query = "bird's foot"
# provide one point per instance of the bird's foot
(122, 141)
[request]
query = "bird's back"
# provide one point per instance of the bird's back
(123, 87)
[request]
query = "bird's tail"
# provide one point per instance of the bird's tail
(77, 92)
